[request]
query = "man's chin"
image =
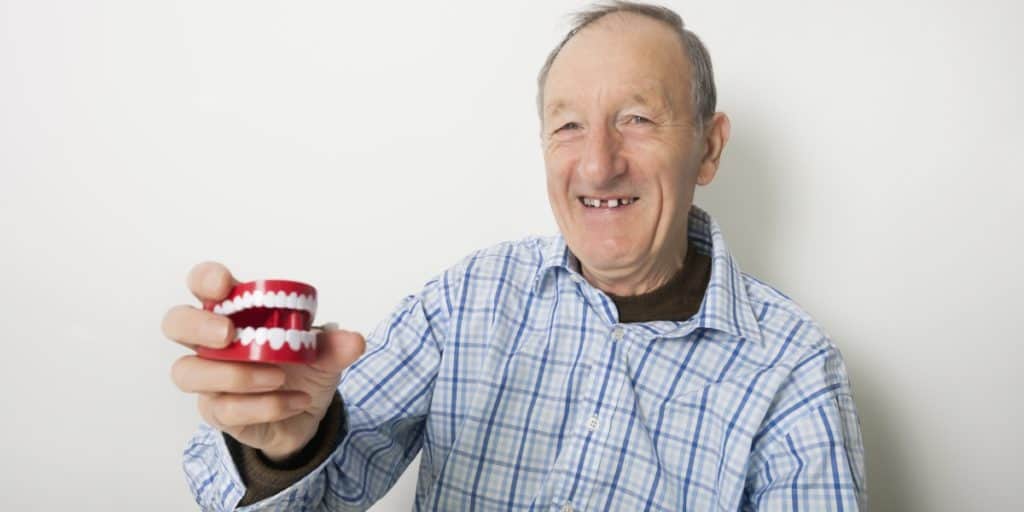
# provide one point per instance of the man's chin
(606, 255)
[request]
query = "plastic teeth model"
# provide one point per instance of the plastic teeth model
(272, 320)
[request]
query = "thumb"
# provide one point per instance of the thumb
(338, 349)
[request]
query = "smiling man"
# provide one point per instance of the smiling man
(625, 364)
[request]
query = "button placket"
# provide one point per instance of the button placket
(618, 333)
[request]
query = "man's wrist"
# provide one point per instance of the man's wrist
(264, 477)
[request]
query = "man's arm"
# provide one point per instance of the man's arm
(809, 454)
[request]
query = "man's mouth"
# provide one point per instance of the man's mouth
(607, 202)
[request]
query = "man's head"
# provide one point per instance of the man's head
(627, 116)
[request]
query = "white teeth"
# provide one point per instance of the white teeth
(277, 338)
(247, 335)
(291, 337)
(612, 203)
(268, 300)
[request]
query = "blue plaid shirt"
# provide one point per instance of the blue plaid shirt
(524, 392)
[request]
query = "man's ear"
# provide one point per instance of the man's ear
(716, 135)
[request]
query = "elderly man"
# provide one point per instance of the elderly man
(627, 364)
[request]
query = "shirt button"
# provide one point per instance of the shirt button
(592, 423)
(617, 333)
(567, 508)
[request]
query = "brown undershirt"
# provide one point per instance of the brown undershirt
(678, 299)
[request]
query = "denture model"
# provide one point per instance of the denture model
(272, 321)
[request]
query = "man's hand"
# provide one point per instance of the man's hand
(273, 408)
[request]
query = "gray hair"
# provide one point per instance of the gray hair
(702, 80)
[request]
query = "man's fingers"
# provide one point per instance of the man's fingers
(338, 349)
(228, 411)
(191, 326)
(193, 374)
(210, 281)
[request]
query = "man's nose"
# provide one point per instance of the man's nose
(601, 160)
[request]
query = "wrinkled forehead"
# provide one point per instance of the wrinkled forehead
(651, 93)
(635, 62)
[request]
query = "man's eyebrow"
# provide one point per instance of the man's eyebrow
(641, 99)
(653, 100)
(555, 107)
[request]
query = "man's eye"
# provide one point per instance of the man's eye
(568, 126)
(635, 119)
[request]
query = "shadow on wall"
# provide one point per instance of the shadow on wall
(750, 198)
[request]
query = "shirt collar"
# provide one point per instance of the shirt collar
(726, 306)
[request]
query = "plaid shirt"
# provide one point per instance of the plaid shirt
(524, 392)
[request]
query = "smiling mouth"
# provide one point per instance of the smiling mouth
(607, 203)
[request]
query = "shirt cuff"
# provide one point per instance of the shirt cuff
(264, 478)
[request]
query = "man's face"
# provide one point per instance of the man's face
(617, 126)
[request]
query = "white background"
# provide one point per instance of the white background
(874, 174)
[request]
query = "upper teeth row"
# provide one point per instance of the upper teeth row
(263, 299)
(610, 203)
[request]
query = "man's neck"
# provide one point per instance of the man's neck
(678, 298)
(638, 282)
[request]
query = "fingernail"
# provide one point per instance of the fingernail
(216, 329)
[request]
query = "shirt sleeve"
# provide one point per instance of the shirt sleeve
(386, 396)
(809, 455)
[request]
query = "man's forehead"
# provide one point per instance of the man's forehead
(632, 59)
(650, 93)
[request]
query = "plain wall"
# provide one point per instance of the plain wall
(874, 175)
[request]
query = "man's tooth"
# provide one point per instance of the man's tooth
(612, 203)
